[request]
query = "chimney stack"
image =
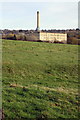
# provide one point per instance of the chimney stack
(38, 28)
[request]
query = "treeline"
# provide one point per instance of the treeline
(73, 36)
(23, 37)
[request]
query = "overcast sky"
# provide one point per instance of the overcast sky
(53, 15)
(79, 15)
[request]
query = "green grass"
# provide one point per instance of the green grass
(46, 78)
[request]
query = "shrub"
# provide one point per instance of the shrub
(9, 36)
(73, 40)
(56, 41)
(31, 38)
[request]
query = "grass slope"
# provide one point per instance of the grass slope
(40, 80)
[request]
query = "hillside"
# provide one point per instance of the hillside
(40, 80)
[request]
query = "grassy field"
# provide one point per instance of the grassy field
(40, 80)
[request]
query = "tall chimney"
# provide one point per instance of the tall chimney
(38, 28)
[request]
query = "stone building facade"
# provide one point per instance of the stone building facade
(53, 37)
(49, 37)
